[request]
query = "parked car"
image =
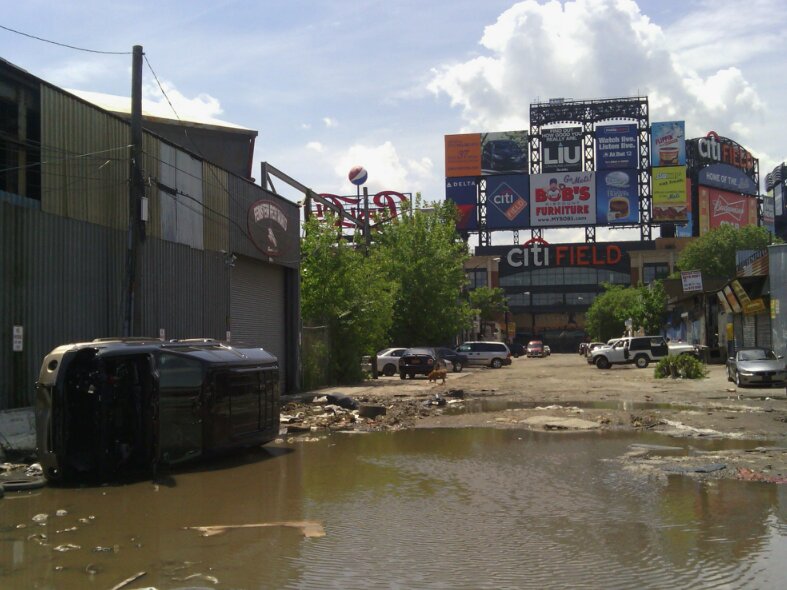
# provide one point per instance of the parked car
(535, 348)
(493, 354)
(756, 366)
(453, 360)
(417, 361)
(388, 361)
(516, 349)
(114, 406)
(638, 350)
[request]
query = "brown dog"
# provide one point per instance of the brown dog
(437, 373)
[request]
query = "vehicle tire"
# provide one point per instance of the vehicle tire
(729, 375)
(515, 355)
(602, 362)
(641, 361)
(738, 380)
(412, 375)
(402, 375)
(457, 367)
(389, 370)
(497, 363)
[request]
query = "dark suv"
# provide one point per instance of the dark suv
(453, 359)
(417, 361)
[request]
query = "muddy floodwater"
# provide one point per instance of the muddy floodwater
(441, 508)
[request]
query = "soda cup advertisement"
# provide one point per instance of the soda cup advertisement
(668, 143)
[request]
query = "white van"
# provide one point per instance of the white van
(494, 354)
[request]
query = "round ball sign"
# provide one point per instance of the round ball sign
(358, 175)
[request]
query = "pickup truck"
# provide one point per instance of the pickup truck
(638, 350)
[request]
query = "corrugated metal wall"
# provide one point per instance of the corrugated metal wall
(86, 161)
(182, 290)
(62, 266)
(62, 282)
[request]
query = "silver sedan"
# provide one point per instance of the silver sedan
(760, 366)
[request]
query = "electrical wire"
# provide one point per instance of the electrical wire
(42, 162)
(64, 44)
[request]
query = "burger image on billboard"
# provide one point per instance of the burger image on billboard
(618, 208)
(358, 175)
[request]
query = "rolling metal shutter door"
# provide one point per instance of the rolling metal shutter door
(763, 330)
(257, 308)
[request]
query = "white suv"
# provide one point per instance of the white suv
(638, 350)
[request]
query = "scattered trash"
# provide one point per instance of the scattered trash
(371, 411)
(61, 512)
(128, 581)
(746, 474)
(709, 468)
(40, 518)
(206, 577)
(67, 547)
(309, 528)
(34, 470)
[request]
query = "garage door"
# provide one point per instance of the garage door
(257, 308)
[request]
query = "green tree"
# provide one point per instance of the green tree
(343, 291)
(714, 253)
(422, 254)
(488, 302)
(606, 317)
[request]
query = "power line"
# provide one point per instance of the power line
(123, 147)
(64, 44)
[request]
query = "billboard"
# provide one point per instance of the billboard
(464, 193)
(504, 153)
(616, 147)
(507, 204)
(769, 214)
(561, 149)
(686, 230)
(728, 178)
(463, 155)
(670, 202)
(617, 200)
(668, 144)
(559, 200)
(778, 198)
(719, 208)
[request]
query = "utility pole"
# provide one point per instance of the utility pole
(135, 191)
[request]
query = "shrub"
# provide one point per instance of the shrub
(683, 366)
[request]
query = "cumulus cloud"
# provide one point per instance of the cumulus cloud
(329, 122)
(593, 49)
(315, 146)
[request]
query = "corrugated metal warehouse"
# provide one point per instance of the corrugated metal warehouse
(219, 257)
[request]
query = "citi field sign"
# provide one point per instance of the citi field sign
(538, 253)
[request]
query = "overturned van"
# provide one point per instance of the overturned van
(126, 405)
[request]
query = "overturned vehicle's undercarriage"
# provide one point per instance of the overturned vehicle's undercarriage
(109, 407)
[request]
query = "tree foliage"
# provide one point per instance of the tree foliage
(606, 317)
(342, 292)
(714, 253)
(422, 254)
(488, 302)
(405, 290)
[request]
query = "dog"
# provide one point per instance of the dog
(437, 373)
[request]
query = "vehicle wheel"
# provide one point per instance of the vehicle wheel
(457, 367)
(515, 355)
(412, 375)
(402, 374)
(641, 362)
(389, 370)
(729, 375)
(738, 380)
(497, 363)
(602, 362)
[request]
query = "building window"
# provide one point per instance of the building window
(655, 271)
(476, 277)
(547, 298)
(20, 139)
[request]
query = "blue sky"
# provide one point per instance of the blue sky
(330, 84)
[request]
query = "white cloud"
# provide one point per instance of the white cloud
(329, 122)
(305, 126)
(585, 49)
(315, 146)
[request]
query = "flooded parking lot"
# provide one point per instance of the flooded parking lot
(432, 508)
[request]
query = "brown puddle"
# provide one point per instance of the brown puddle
(445, 508)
